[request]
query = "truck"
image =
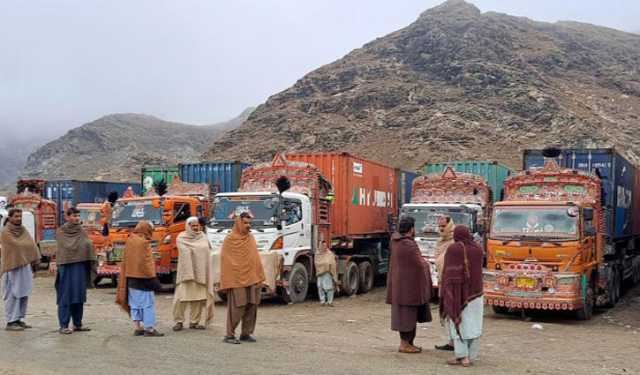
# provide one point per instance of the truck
(492, 172)
(464, 197)
(348, 201)
(90, 213)
(565, 238)
(221, 177)
(167, 213)
(39, 216)
(152, 175)
(70, 193)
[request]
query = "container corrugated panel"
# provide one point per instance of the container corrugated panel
(222, 177)
(618, 182)
(636, 204)
(365, 192)
(68, 193)
(493, 172)
(405, 182)
(153, 175)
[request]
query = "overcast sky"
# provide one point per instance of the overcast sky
(66, 62)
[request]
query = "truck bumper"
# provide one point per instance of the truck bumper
(532, 302)
(108, 270)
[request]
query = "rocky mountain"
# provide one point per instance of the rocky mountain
(114, 147)
(14, 151)
(457, 83)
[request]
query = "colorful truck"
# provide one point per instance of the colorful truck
(39, 216)
(565, 236)
(335, 196)
(465, 198)
(167, 213)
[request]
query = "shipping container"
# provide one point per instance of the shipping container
(153, 175)
(619, 183)
(493, 172)
(68, 193)
(405, 182)
(636, 204)
(366, 193)
(222, 177)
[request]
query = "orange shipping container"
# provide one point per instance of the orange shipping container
(366, 193)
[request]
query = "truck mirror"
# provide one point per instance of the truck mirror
(587, 214)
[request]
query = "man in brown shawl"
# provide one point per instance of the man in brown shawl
(76, 264)
(461, 302)
(18, 252)
(138, 281)
(408, 285)
(194, 281)
(241, 277)
(445, 227)
(326, 272)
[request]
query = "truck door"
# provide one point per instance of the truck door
(295, 228)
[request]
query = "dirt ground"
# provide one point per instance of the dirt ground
(351, 338)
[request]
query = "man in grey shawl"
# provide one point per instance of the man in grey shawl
(18, 252)
(76, 265)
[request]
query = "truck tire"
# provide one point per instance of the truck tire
(96, 281)
(114, 281)
(366, 277)
(222, 296)
(586, 312)
(350, 279)
(614, 289)
(298, 283)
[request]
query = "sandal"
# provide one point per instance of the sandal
(138, 332)
(23, 324)
(178, 327)
(153, 333)
(81, 329)
(446, 347)
(231, 340)
(464, 362)
(409, 350)
(65, 331)
(196, 326)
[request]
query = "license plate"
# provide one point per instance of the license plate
(526, 283)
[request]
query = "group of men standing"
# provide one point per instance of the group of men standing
(459, 265)
(241, 276)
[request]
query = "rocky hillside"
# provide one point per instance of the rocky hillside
(457, 83)
(114, 147)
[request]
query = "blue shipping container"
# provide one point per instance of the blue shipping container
(618, 178)
(405, 183)
(222, 177)
(67, 193)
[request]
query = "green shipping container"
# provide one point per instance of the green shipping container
(152, 175)
(493, 172)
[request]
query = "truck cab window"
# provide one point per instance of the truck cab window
(293, 211)
(181, 211)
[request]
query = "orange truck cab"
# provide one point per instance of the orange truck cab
(168, 215)
(551, 245)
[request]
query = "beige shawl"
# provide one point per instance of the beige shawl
(17, 248)
(325, 261)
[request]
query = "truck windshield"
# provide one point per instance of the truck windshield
(560, 222)
(427, 217)
(129, 214)
(89, 217)
(261, 208)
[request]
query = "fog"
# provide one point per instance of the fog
(67, 62)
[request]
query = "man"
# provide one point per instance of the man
(408, 285)
(462, 304)
(241, 277)
(445, 227)
(194, 281)
(532, 225)
(18, 252)
(76, 264)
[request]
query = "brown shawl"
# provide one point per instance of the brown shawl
(409, 277)
(137, 261)
(17, 248)
(74, 246)
(462, 275)
(325, 261)
(240, 264)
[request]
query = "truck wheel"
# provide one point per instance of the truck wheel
(114, 281)
(298, 283)
(614, 290)
(366, 277)
(97, 281)
(350, 279)
(586, 312)
(222, 296)
(500, 309)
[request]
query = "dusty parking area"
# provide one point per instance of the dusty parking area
(351, 338)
